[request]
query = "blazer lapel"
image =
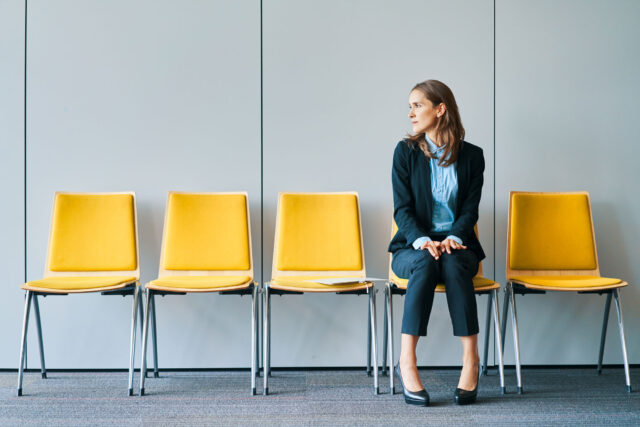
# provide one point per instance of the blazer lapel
(462, 172)
(428, 197)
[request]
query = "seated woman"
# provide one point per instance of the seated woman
(437, 183)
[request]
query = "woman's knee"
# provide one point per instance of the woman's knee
(425, 261)
(458, 264)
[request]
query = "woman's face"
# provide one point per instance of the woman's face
(423, 114)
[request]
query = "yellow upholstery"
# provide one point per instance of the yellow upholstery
(318, 232)
(568, 282)
(551, 232)
(199, 282)
(93, 232)
(206, 232)
(78, 284)
(303, 284)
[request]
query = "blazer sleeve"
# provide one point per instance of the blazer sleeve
(463, 225)
(403, 202)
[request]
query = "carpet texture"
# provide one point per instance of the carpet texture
(331, 397)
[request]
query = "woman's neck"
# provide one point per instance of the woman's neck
(431, 134)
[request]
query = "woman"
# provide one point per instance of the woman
(437, 183)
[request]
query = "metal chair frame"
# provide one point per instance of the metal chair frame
(514, 288)
(371, 331)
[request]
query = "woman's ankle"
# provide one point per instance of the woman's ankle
(471, 359)
(407, 361)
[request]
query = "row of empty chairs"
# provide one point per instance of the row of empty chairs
(206, 247)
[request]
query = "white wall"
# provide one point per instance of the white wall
(149, 96)
(335, 106)
(153, 96)
(566, 107)
(11, 178)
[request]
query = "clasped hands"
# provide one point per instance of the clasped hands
(438, 248)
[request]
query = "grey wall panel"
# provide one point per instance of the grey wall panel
(11, 178)
(149, 96)
(337, 77)
(566, 113)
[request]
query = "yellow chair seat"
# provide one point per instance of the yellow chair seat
(479, 284)
(199, 283)
(568, 283)
(307, 284)
(77, 284)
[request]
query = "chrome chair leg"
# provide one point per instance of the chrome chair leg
(372, 307)
(603, 335)
(145, 335)
(260, 332)
(23, 342)
(36, 309)
(265, 378)
(369, 342)
(385, 334)
(140, 313)
(622, 340)
(154, 331)
(132, 351)
(254, 337)
(505, 311)
(516, 342)
(269, 335)
(496, 321)
(389, 309)
(487, 333)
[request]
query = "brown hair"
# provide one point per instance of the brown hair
(449, 128)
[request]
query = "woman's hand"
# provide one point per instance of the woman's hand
(449, 245)
(434, 248)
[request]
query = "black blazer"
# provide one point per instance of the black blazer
(413, 201)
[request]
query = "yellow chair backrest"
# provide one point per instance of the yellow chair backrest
(93, 232)
(394, 230)
(318, 232)
(552, 232)
(206, 232)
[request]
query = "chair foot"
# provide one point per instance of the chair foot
(368, 373)
(598, 371)
(484, 371)
(376, 391)
(44, 375)
(156, 375)
(130, 392)
(253, 391)
(265, 392)
(628, 389)
(519, 390)
(19, 392)
(503, 390)
(392, 390)
(142, 391)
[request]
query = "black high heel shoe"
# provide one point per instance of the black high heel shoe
(465, 397)
(420, 398)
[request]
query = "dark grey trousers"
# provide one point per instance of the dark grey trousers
(455, 271)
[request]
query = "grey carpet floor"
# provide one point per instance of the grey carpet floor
(331, 397)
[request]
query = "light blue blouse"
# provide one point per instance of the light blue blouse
(444, 189)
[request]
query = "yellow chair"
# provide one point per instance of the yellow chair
(93, 247)
(318, 236)
(551, 247)
(481, 285)
(206, 247)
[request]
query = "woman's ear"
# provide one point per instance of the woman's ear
(440, 110)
